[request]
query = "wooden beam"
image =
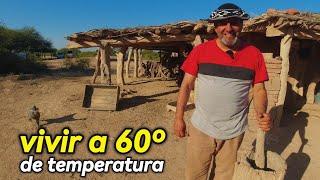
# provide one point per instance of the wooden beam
(306, 34)
(197, 40)
(82, 44)
(157, 46)
(187, 27)
(158, 31)
(173, 30)
(140, 40)
(271, 31)
(199, 27)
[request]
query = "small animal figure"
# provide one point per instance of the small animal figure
(34, 113)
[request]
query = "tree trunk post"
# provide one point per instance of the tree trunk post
(285, 47)
(128, 62)
(120, 58)
(139, 62)
(97, 66)
(105, 65)
(135, 64)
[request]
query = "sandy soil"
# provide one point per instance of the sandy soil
(59, 98)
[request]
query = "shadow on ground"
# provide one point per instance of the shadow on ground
(297, 162)
(62, 119)
(126, 103)
(147, 81)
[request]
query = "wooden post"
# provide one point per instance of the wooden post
(302, 71)
(120, 57)
(259, 154)
(97, 66)
(108, 63)
(105, 66)
(197, 40)
(285, 47)
(102, 64)
(139, 62)
(311, 90)
(128, 62)
(135, 64)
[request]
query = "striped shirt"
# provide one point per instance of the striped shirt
(223, 87)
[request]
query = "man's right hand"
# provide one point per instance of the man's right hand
(179, 128)
(187, 85)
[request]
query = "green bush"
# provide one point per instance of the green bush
(11, 63)
(150, 55)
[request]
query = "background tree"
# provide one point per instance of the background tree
(26, 40)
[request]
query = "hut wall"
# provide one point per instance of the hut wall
(304, 72)
(270, 48)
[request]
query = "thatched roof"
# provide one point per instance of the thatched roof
(148, 36)
(183, 27)
(302, 25)
(272, 23)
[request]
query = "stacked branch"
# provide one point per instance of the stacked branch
(154, 69)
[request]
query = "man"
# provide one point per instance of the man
(226, 68)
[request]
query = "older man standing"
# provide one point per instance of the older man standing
(226, 68)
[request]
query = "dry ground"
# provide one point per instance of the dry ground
(59, 98)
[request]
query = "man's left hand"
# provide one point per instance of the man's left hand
(264, 121)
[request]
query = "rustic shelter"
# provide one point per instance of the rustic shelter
(289, 40)
(293, 38)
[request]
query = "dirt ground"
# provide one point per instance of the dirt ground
(59, 97)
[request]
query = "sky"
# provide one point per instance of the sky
(59, 18)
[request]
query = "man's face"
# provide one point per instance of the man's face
(228, 30)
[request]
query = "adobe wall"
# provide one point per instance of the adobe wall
(273, 85)
(303, 76)
(270, 47)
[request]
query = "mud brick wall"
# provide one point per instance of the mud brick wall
(273, 86)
